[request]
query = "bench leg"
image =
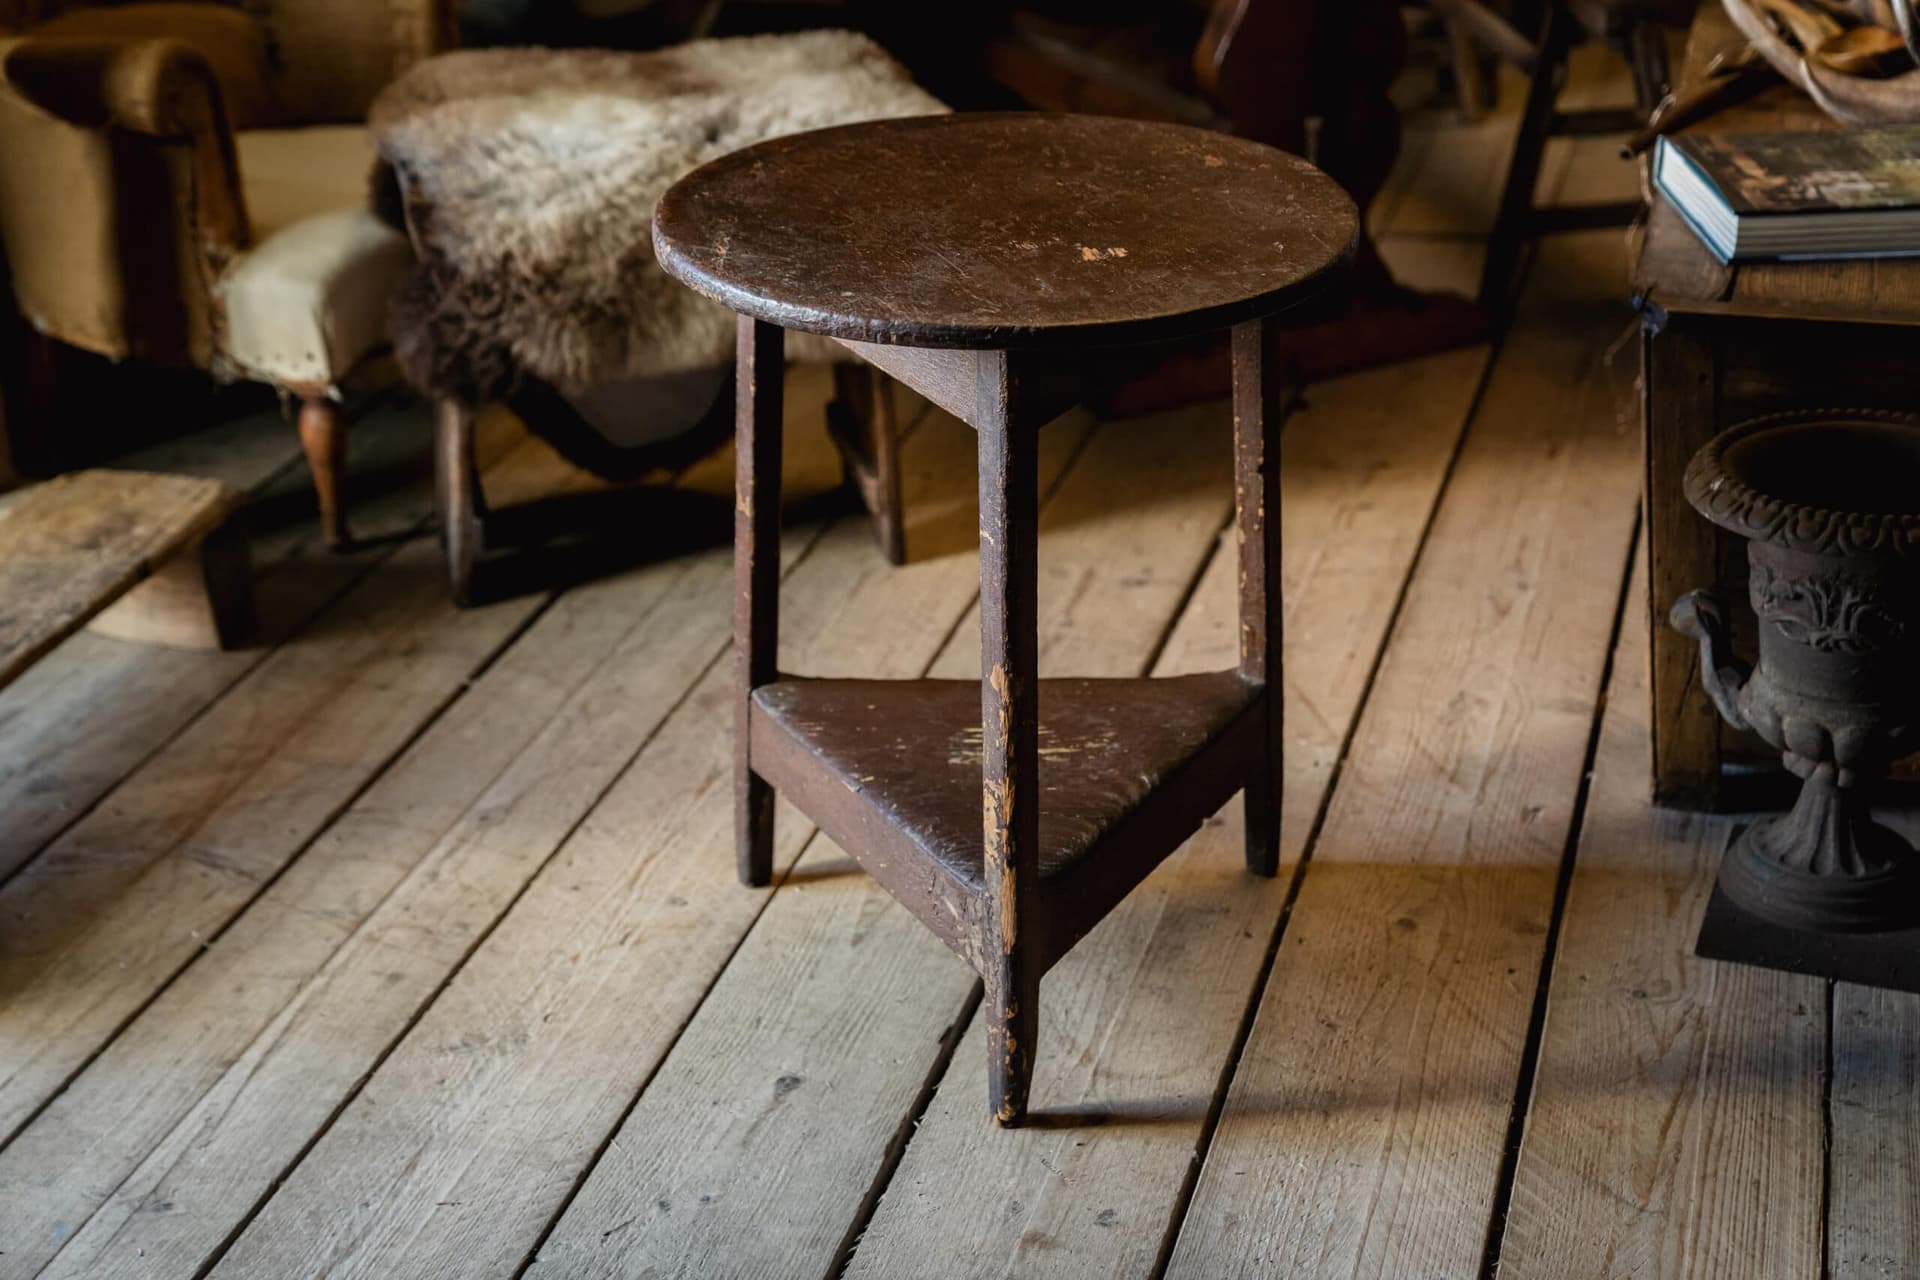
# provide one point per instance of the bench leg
(200, 599)
(323, 434)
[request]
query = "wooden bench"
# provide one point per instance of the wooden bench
(140, 556)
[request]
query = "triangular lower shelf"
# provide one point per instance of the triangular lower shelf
(891, 770)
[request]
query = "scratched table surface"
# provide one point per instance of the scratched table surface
(1005, 229)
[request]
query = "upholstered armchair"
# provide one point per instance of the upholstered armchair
(186, 182)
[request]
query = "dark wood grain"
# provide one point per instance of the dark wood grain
(947, 377)
(756, 576)
(1257, 411)
(901, 763)
(1009, 734)
(999, 230)
(862, 423)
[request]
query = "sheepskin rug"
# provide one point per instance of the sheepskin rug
(528, 179)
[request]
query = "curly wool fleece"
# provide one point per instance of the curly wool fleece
(529, 177)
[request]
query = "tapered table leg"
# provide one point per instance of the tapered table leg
(1010, 734)
(1257, 410)
(756, 576)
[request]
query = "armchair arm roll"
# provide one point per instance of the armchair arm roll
(163, 88)
(120, 199)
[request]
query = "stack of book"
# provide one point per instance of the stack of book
(1815, 194)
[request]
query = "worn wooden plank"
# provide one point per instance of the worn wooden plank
(1362, 1135)
(79, 542)
(788, 1087)
(266, 1032)
(467, 1138)
(314, 981)
(131, 891)
(1435, 263)
(91, 711)
(247, 451)
(101, 920)
(199, 598)
(1676, 1121)
(84, 717)
(1450, 182)
(1873, 1227)
(1139, 1022)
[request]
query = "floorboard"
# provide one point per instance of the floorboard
(1364, 1129)
(127, 896)
(1676, 1121)
(1874, 1225)
(316, 979)
(89, 713)
(468, 1138)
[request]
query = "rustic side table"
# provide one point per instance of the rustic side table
(981, 259)
(1721, 345)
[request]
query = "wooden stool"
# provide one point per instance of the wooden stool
(978, 258)
(138, 556)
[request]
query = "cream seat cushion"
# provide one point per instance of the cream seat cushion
(309, 299)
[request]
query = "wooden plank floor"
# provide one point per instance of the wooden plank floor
(408, 944)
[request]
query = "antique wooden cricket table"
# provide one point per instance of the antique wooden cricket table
(982, 260)
(1723, 344)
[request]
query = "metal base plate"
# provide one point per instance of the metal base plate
(1890, 959)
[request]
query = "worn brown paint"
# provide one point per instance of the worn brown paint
(1257, 410)
(77, 543)
(1010, 721)
(759, 357)
(912, 232)
(977, 258)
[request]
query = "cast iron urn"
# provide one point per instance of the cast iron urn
(1829, 504)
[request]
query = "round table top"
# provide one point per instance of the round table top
(1005, 229)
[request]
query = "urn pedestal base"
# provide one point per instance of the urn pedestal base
(1887, 959)
(1827, 864)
